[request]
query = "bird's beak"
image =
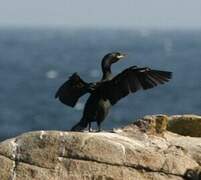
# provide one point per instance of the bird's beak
(121, 56)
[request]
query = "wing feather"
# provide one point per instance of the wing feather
(132, 80)
(72, 90)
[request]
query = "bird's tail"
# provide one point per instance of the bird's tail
(80, 125)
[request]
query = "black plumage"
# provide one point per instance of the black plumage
(109, 90)
(72, 90)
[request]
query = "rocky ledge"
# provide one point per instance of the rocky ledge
(139, 151)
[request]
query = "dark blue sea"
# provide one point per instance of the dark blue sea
(35, 62)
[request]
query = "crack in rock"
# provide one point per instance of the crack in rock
(24, 162)
(136, 167)
(15, 158)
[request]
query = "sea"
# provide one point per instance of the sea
(34, 62)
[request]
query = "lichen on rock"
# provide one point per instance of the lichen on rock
(187, 125)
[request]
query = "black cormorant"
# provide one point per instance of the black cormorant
(109, 90)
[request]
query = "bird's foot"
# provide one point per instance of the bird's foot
(99, 130)
(90, 130)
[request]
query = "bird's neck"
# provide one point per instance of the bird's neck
(106, 69)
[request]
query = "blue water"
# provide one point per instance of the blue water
(35, 62)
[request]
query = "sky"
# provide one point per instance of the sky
(102, 13)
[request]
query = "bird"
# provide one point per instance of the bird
(106, 92)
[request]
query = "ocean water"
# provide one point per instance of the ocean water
(35, 62)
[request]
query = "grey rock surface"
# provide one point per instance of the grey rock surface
(141, 151)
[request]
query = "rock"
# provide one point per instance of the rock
(141, 151)
(187, 125)
(155, 124)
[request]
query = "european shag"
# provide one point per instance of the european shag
(109, 90)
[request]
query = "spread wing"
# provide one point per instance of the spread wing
(132, 80)
(72, 90)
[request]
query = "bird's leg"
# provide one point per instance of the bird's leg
(90, 129)
(91, 87)
(99, 127)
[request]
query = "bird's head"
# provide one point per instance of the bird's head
(113, 57)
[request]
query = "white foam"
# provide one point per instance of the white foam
(51, 74)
